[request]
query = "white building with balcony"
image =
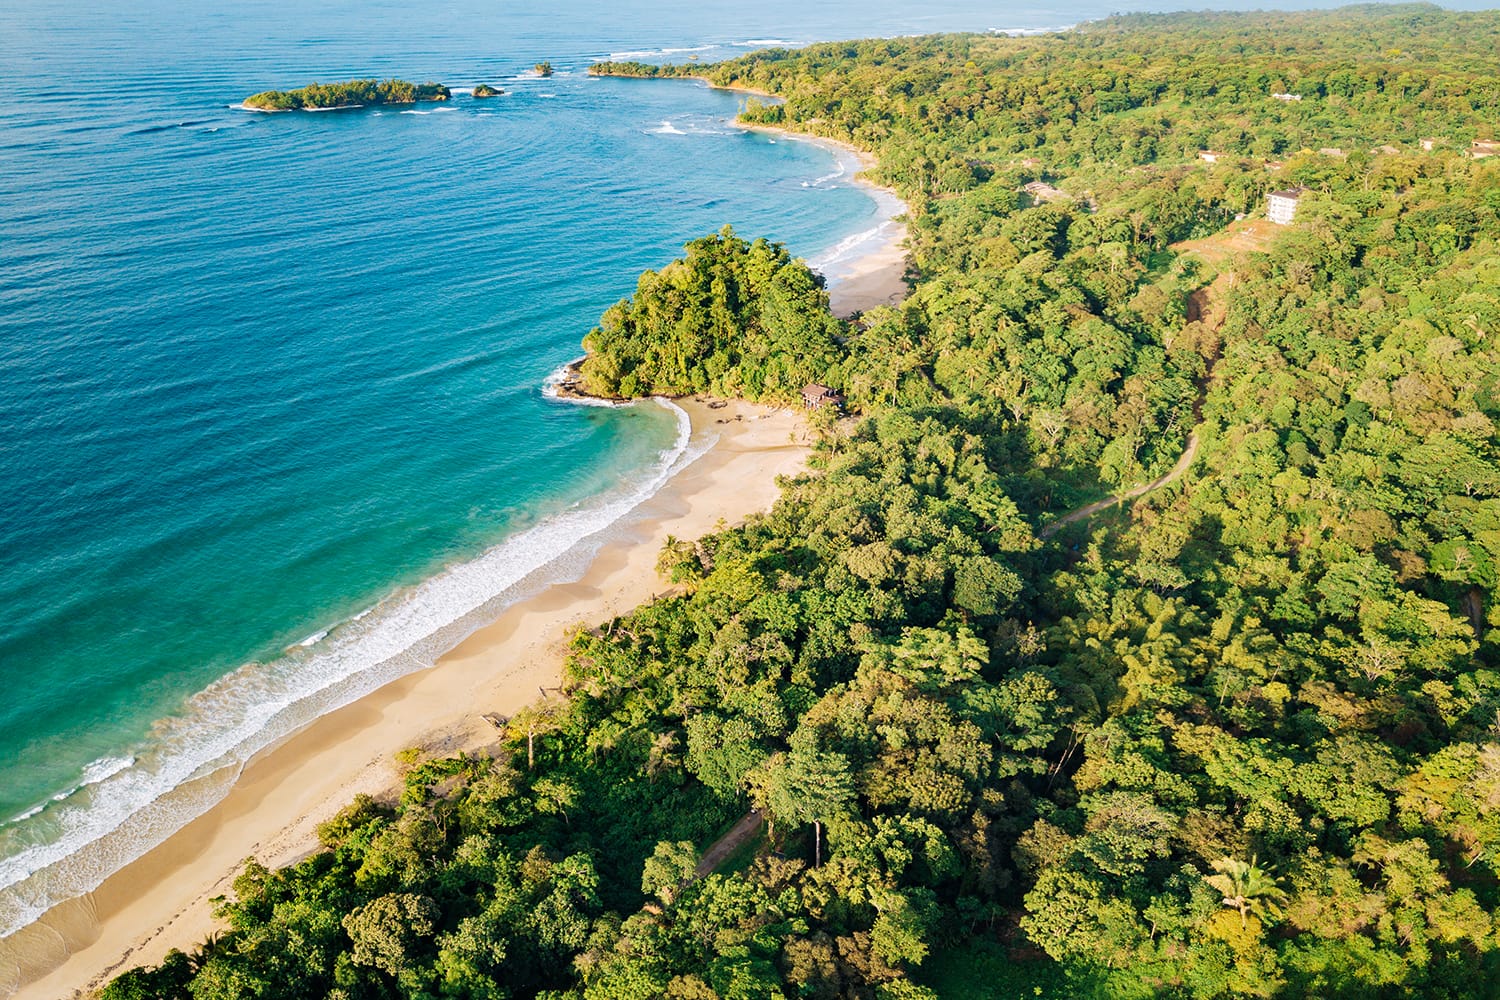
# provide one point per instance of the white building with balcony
(1281, 206)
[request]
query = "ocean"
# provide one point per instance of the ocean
(272, 427)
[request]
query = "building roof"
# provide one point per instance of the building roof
(1042, 191)
(816, 391)
(1292, 193)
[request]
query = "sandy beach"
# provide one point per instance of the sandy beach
(162, 901)
(877, 279)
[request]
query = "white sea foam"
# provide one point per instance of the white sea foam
(104, 768)
(94, 772)
(761, 43)
(843, 170)
(845, 249)
(126, 806)
(1025, 32)
(316, 637)
(851, 248)
(695, 124)
(635, 54)
(552, 384)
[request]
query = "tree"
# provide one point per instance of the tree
(1248, 888)
(806, 785)
(388, 931)
(536, 719)
(670, 868)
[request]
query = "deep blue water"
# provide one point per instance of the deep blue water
(260, 374)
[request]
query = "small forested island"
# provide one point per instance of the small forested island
(543, 69)
(350, 94)
(485, 90)
(1237, 735)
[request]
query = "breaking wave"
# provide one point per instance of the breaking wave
(125, 806)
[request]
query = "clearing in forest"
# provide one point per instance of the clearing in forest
(1236, 238)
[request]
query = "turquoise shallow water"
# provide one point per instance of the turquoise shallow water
(261, 374)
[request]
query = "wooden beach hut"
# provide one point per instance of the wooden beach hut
(815, 397)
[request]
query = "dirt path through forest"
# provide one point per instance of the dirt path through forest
(1188, 454)
(1205, 307)
(748, 826)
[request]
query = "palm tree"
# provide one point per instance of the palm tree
(212, 945)
(1248, 888)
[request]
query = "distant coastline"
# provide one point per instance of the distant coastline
(648, 71)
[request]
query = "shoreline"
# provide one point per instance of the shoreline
(876, 277)
(870, 276)
(163, 900)
(197, 754)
